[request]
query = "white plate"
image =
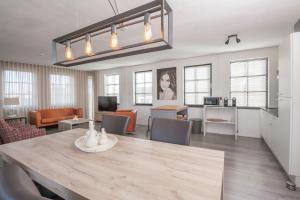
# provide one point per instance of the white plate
(111, 141)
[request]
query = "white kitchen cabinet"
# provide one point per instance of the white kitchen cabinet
(266, 126)
(263, 124)
(284, 138)
(295, 108)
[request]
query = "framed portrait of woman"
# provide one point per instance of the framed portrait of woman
(166, 84)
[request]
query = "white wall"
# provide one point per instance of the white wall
(220, 83)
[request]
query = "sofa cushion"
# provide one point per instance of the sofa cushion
(50, 120)
(69, 117)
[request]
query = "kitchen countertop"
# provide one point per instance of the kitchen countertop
(272, 111)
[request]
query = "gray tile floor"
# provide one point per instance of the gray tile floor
(251, 171)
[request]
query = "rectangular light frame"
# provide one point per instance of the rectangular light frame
(129, 16)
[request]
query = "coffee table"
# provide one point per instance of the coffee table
(69, 124)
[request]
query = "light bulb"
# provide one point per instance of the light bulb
(88, 45)
(147, 28)
(148, 32)
(114, 37)
(68, 51)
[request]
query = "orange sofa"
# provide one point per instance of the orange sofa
(132, 118)
(48, 117)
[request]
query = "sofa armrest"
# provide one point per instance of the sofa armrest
(79, 112)
(35, 118)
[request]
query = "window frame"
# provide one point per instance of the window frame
(247, 92)
(135, 93)
(210, 82)
(104, 80)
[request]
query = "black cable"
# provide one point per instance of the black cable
(116, 6)
(112, 7)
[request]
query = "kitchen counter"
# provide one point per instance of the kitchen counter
(272, 111)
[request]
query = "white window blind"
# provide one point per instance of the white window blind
(249, 82)
(19, 84)
(112, 85)
(197, 84)
(62, 90)
(143, 87)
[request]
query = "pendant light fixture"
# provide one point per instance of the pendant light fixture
(68, 51)
(158, 10)
(147, 28)
(114, 37)
(88, 45)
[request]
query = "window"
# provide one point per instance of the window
(197, 84)
(249, 82)
(143, 88)
(112, 85)
(62, 90)
(19, 84)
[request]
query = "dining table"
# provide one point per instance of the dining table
(134, 169)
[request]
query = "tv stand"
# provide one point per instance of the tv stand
(99, 114)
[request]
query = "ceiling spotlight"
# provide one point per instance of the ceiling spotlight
(227, 41)
(232, 36)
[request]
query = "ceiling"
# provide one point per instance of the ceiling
(200, 27)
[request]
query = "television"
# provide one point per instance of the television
(107, 103)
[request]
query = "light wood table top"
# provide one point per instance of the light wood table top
(134, 169)
(170, 107)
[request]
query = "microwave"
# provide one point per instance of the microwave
(212, 101)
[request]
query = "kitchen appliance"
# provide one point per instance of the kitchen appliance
(234, 102)
(225, 102)
(229, 102)
(212, 101)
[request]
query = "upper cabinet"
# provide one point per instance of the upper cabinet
(284, 69)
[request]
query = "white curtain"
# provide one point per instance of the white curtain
(62, 90)
(91, 97)
(39, 86)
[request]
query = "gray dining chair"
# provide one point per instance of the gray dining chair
(171, 131)
(116, 124)
(15, 184)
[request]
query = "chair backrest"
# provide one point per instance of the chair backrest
(16, 184)
(8, 133)
(115, 124)
(171, 131)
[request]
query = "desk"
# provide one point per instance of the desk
(134, 169)
(169, 112)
